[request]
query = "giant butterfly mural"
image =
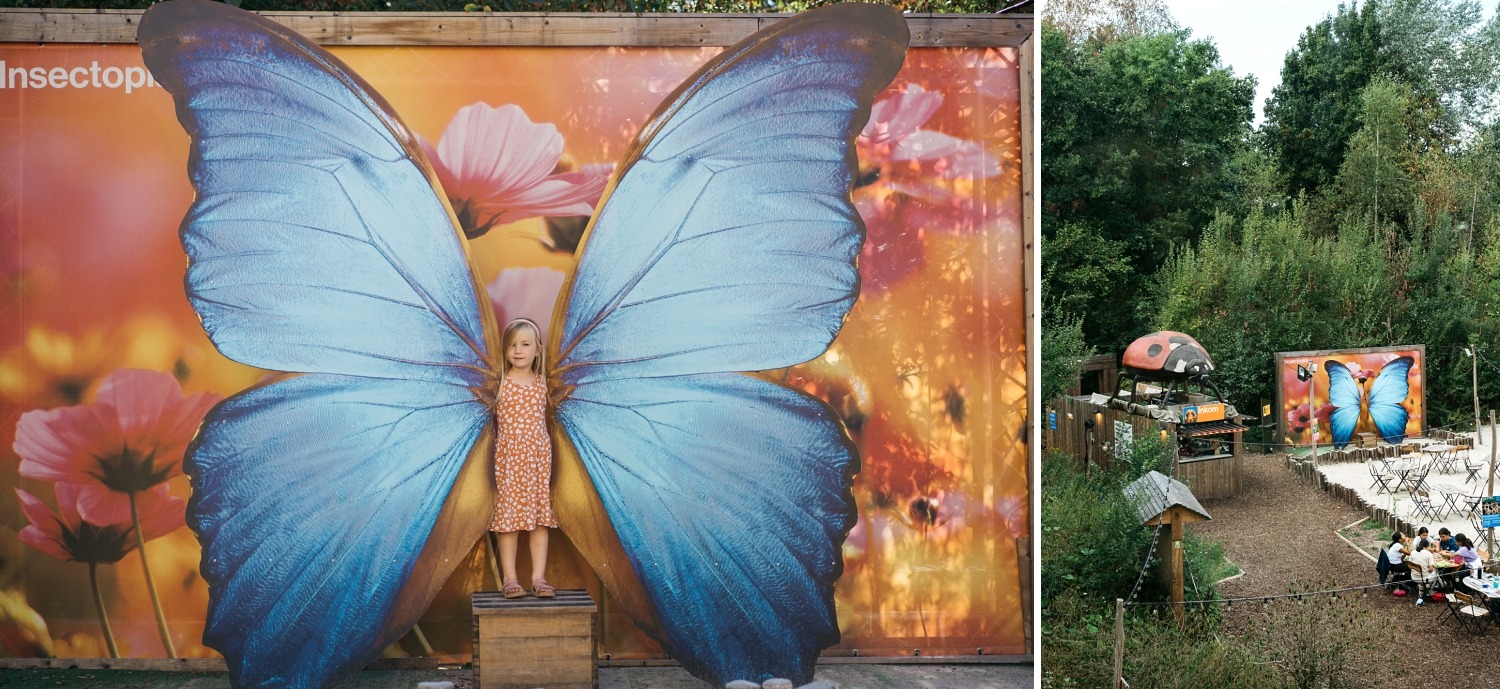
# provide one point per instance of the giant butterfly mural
(940, 486)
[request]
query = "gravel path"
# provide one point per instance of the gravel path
(1275, 509)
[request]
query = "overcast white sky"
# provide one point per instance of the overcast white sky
(1253, 37)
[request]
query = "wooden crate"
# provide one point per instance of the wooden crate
(529, 642)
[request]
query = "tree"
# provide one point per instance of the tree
(1063, 353)
(1084, 19)
(1380, 160)
(1139, 133)
(1441, 51)
(1314, 110)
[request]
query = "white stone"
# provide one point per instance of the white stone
(434, 685)
(820, 684)
(776, 683)
(742, 684)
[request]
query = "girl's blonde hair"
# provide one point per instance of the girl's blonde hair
(538, 366)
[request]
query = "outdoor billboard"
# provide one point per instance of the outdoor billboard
(1377, 390)
(927, 374)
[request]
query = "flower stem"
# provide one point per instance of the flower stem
(140, 542)
(109, 636)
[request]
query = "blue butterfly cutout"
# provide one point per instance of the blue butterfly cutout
(1383, 404)
(333, 501)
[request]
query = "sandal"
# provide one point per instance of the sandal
(541, 589)
(512, 589)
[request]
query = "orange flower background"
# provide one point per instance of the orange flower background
(1298, 412)
(928, 372)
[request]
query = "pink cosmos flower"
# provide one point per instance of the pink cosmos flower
(525, 293)
(497, 166)
(130, 440)
(908, 184)
(66, 536)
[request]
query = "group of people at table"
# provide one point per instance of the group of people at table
(1432, 563)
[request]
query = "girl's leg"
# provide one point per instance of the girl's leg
(509, 541)
(538, 539)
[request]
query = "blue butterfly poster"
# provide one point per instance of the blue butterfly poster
(923, 384)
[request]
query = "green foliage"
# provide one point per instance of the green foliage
(747, 6)
(1314, 110)
(1093, 543)
(1063, 352)
(1106, 19)
(1317, 639)
(1296, 290)
(1139, 134)
(1441, 51)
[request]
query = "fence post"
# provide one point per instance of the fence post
(1119, 643)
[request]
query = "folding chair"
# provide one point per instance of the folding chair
(1422, 501)
(1383, 477)
(1472, 466)
(1424, 579)
(1469, 615)
(1418, 477)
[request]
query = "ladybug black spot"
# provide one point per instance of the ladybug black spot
(1153, 350)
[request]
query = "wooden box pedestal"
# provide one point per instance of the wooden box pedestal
(529, 642)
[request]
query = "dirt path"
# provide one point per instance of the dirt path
(1277, 526)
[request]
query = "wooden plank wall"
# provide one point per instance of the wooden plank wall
(509, 28)
(1213, 478)
(1209, 479)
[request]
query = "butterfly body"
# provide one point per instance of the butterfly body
(332, 502)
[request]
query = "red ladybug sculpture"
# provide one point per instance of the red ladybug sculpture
(1166, 355)
(1169, 357)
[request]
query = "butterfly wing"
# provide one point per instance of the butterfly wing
(1344, 395)
(330, 506)
(313, 511)
(726, 243)
(1386, 396)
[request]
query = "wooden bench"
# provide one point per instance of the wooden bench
(529, 642)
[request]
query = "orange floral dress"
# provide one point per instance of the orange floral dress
(523, 458)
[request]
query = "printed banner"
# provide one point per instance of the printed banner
(1341, 394)
(928, 373)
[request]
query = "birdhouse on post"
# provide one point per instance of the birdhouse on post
(1161, 500)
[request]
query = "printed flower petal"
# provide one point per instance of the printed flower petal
(61, 444)
(161, 512)
(496, 166)
(132, 438)
(101, 506)
(525, 293)
(951, 157)
(894, 117)
(32, 536)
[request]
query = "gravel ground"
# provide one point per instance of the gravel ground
(1275, 510)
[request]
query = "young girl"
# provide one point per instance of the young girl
(523, 458)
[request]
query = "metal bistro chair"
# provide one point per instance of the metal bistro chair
(1422, 501)
(1469, 615)
(1384, 479)
(1471, 465)
(1418, 477)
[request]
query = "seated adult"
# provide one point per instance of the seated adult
(1466, 552)
(1423, 573)
(1396, 553)
(1445, 540)
(1421, 540)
